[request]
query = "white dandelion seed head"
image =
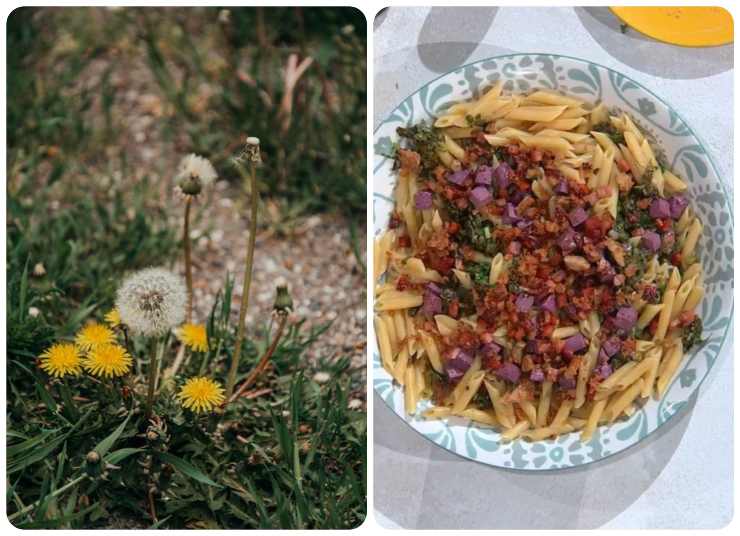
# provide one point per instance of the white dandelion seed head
(152, 301)
(253, 140)
(195, 172)
(321, 377)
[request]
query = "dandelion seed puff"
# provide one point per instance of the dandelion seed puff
(201, 394)
(61, 359)
(152, 301)
(194, 173)
(108, 361)
(321, 377)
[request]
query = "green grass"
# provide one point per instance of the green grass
(217, 81)
(295, 455)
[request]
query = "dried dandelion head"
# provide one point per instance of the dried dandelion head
(152, 301)
(61, 359)
(250, 152)
(108, 361)
(194, 173)
(201, 394)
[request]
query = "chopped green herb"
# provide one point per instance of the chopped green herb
(479, 272)
(607, 128)
(425, 140)
(692, 334)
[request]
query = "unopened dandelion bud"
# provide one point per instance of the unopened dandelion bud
(39, 270)
(92, 457)
(151, 435)
(283, 300)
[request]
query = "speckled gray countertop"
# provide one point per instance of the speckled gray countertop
(679, 477)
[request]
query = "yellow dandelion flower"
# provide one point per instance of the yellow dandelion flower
(201, 394)
(61, 359)
(93, 335)
(113, 317)
(194, 336)
(107, 360)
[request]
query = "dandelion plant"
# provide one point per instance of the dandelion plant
(195, 172)
(252, 155)
(151, 302)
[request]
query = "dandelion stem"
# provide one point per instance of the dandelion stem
(53, 494)
(188, 261)
(247, 278)
(153, 365)
(257, 370)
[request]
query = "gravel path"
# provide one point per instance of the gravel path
(316, 261)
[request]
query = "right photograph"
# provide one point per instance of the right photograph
(553, 268)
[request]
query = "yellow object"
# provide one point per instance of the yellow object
(93, 335)
(108, 361)
(61, 359)
(685, 26)
(201, 394)
(194, 337)
(113, 317)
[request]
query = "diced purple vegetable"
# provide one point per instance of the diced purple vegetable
(517, 196)
(510, 216)
(577, 216)
(484, 175)
(490, 348)
(567, 241)
(604, 371)
(650, 241)
(603, 358)
(509, 372)
(574, 344)
(625, 318)
(678, 203)
(459, 177)
(454, 374)
(432, 287)
(524, 224)
(432, 304)
(562, 188)
(423, 199)
(537, 376)
(502, 175)
(660, 208)
(549, 304)
(524, 303)
(566, 383)
(458, 362)
(611, 346)
(531, 346)
(480, 196)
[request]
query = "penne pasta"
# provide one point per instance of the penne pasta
(538, 253)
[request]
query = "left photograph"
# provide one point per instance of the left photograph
(186, 268)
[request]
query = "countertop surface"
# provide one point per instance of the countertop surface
(678, 477)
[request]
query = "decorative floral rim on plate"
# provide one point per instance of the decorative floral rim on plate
(686, 155)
